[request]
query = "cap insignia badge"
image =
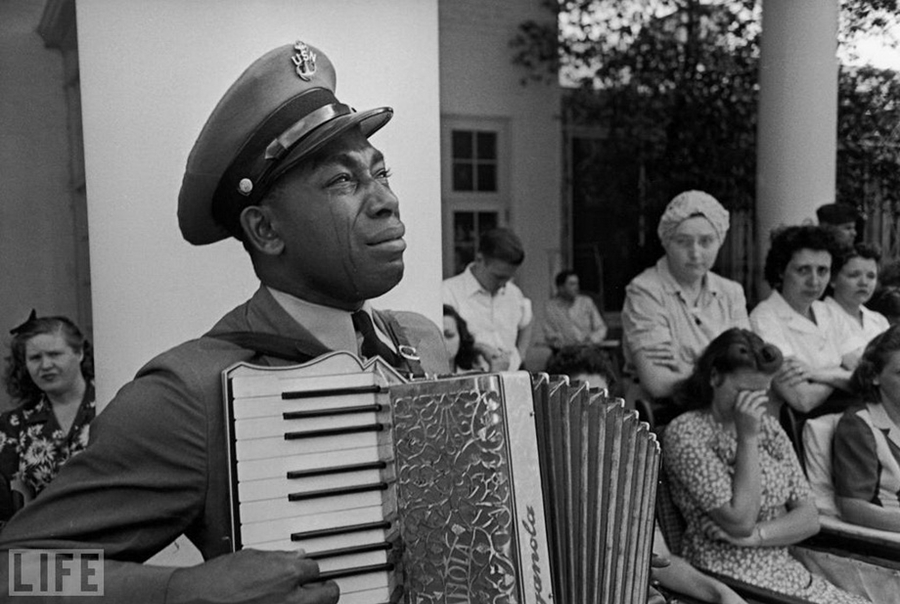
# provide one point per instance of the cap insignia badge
(304, 61)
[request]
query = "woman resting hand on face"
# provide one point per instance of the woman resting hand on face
(49, 374)
(735, 477)
(866, 445)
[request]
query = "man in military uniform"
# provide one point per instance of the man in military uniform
(288, 170)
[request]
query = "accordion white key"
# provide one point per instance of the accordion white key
(442, 490)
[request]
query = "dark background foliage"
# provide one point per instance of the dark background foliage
(673, 85)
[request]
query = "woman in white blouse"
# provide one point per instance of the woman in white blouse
(854, 274)
(817, 341)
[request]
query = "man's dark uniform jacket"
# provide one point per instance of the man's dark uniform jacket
(156, 463)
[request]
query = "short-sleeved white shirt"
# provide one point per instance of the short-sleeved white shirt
(494, 320)
(821, 344)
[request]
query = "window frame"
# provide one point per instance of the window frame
(453, 201)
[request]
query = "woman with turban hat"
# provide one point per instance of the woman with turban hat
(675, 308)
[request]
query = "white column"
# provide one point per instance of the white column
(797, 130)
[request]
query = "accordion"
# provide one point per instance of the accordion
(499, 488)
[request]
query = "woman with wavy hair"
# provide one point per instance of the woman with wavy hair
(460, 344)
(49, 374)
(866, 445)
(735, 477)
(854, 276)
(817, 340)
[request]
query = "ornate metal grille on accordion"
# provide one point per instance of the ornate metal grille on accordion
(481, 488)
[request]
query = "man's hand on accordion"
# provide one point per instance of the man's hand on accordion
(654, 596)
(253, 576)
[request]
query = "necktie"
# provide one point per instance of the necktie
(371, 343)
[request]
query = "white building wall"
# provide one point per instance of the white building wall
(37, 238)
(479, 80)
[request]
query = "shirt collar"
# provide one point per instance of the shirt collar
(870, 317)
(671, 285)
(331, 326)
(836, 307)
(782, 308)
(473, 286)
(880, 420)
(786, 312)
(43, 412)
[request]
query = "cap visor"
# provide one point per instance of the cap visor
(369, 122)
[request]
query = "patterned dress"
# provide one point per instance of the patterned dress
(699, 458)
(33, 446)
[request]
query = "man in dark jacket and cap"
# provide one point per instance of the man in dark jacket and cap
(287, 169)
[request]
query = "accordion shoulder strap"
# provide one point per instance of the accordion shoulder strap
(272, 345)
(408, 354)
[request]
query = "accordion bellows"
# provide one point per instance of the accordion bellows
(494, 488)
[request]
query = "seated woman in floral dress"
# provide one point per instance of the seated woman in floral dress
(735, 477)
(49, 374)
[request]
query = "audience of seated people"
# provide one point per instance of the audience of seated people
(49, 374)
(734, 476)
(732, 471)
(818, 343)
(460, 344)
(674, 309)
(570, 317)
(866, 441)
(854, 276)
(496, 311)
